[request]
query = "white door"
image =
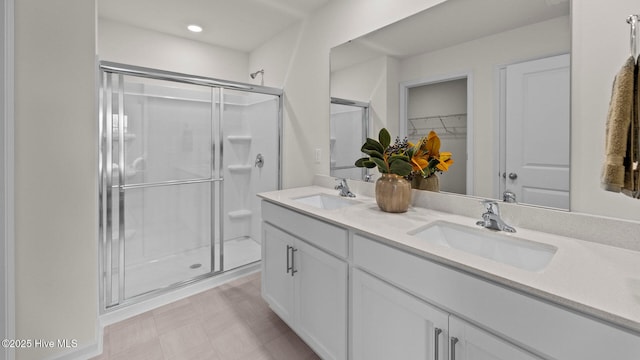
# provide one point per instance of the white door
(537, 131)
(468, 342)
(277, 282)
(321, 300)
(388, 323)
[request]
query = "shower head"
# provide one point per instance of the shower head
(253, 75)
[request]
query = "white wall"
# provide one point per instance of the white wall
(6, 10)
(55, 174)
(600, 46)
(372, 81)
(135, 46)
(306, 76)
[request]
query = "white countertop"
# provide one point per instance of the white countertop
(600, 280)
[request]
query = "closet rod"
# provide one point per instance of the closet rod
(438, 116)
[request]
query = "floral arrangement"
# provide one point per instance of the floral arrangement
(404, 158)
(389, 159)
(426, 158)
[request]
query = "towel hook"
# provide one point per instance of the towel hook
(633, 21)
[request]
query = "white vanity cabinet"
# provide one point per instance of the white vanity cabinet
(388, 323)
(510, 325)
(468, 342)
(304, 277)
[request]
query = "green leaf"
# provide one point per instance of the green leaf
(365, 162)
(385, 138)
(433, 162)
(373, 153)
(371, 144)
(401, 168)
(360, 162)
(410, 152)
(382, 166)
(396, 157)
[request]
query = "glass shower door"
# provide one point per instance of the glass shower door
(161, 183)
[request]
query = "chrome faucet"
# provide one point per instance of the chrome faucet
(491, 218)
(509, 196)
(344, 188)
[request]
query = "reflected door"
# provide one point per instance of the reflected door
(537, 131)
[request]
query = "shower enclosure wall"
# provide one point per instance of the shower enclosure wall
(349, 129)
(181, 160)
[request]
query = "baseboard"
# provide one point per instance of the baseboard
(86, 352)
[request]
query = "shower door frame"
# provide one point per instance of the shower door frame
(106, 71)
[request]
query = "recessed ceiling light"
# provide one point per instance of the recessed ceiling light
(194, 28)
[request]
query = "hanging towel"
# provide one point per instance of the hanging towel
(631, 185)
(617, 172)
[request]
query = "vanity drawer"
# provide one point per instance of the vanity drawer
(316, 232)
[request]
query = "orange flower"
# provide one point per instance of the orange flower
(432, 145)
(445, 161)
(419, 158)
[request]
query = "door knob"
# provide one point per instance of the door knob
(513, 176)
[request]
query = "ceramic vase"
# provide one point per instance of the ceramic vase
(431, 183)
(393, 193)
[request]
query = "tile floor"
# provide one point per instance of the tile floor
(230, 322)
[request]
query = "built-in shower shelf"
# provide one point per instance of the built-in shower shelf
(239, 168)
(239, 214)
(239, 138)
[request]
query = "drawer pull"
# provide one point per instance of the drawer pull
(454, 341)
(293, 259)
(289, 266)
(437, 332)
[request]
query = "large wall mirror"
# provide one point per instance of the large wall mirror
(491, 77)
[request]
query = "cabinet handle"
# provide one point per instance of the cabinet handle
(436, 342)
(454, 341)
(293, 259)
(289, 267)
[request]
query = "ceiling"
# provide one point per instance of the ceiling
(447, 24)
(241, 25)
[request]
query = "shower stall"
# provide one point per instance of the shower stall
(181, 159)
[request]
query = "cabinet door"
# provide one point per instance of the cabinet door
(277, 282)
(391, 324)
(321, 300)
(471, 343)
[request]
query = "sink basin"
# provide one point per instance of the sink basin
(327, 202)
(510, 250)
